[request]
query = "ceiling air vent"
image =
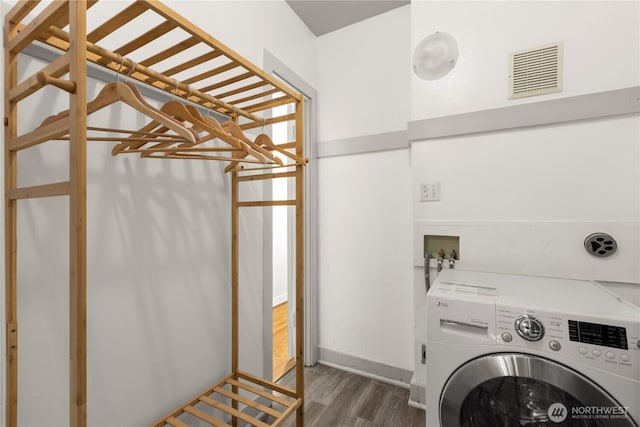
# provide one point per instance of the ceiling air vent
(535, 71)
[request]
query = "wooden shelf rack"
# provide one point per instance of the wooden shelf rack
(283, 402)
(198, 69)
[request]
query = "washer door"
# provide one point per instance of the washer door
(510, 390)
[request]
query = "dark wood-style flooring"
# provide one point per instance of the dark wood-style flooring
(336, 398)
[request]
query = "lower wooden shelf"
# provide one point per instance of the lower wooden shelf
(236, 397)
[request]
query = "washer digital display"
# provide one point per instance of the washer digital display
(598, 334)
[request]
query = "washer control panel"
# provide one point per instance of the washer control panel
(598, 333)
(610, 345)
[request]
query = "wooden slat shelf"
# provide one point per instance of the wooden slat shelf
(199, 69)
(54, 12)
(116, 21)
(111, 60)
(49, 30)
(219, 404)
(173, 50)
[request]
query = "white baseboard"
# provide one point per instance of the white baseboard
(376, 370)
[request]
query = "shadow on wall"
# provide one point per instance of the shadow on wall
(158, 274)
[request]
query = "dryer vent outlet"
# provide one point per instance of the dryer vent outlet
(600, 244)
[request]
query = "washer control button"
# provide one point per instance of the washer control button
(638, 344)
(582, 350)
(554, 345)
(506, 337)
(610, 355)
(625, 357)
(529, 328)
(596, 353)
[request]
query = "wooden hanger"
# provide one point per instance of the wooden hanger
(233, 129)
(158, 127)
(181, 113)
(238, 157)
(216, 130)
(245, 141)
(139, 137)
(191, 115)
(129, 94)
(263, 139)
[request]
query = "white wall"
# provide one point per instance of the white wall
(363, 72)
(158, 254)
(523, 200)
(365, 200)
(487, 31)
(576, 172)
(365, 271)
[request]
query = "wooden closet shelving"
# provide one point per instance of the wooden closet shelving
(234, 88)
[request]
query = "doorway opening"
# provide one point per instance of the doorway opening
(283, 253)
(274, 66)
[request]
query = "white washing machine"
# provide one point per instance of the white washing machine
(508, 350)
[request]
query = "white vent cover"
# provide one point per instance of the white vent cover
(535, 71)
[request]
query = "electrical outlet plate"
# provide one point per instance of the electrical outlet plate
(430, 192)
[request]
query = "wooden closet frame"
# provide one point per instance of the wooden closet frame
(247, 109)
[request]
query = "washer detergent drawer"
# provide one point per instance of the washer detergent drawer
(460, 320)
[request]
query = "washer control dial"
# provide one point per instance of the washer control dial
(529, 328)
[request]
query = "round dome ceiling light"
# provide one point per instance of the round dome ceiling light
(435, 56)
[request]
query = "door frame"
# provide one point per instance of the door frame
(273, 65)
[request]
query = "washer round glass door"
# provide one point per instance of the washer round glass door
(515, 390)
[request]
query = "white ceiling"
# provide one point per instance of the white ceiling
(324, 16)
